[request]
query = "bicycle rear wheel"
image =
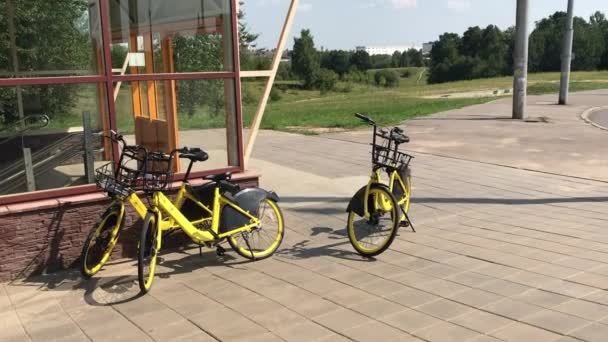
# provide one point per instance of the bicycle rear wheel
(372, 236)
(101, 240)
(149, 245)
(264, 240)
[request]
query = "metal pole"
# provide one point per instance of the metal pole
(520, 65)
(13, 43)
(567, 55)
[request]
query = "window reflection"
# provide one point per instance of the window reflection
(171, 36)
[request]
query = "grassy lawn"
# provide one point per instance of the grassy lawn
(296, 108)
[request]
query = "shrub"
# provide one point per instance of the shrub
(406, 73)
(275, 95)
(386, 78)
(326, 80)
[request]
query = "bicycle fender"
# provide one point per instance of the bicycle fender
(249, 200)
(356, 203)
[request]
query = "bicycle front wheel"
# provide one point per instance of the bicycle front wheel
(264, 240)
(372, 236)
(101, 240)
(149, 245)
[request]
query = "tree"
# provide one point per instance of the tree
(600, 23)
(444, 54)
(361, 60)
(338, 61)
(472, 41)
(492, 52)
(305, 59)
(396, 59)
(246, 39)
(51, 35)
(414, 57)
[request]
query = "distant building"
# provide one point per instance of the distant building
(426, 48)
(386, 50)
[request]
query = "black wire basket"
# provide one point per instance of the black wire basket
(124, 179)
(159, 171)
(385, 153)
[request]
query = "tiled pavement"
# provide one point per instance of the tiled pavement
(500, 254)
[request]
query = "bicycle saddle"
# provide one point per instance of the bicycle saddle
(194, 154)
(219, 178)
(398, 136)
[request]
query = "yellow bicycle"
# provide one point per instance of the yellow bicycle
(377, 210)
(120, 182)
(249, 219)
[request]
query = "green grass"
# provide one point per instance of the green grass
(306, 108)
(553, 87)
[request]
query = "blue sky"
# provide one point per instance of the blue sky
(344, 24)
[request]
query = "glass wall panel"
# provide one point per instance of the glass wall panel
(193, 113)
(171, 36)
(50, 38)
(46, 134)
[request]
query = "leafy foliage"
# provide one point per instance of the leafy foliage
(305, 61)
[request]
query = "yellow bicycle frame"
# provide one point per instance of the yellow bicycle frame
(394, 180)
(176, 220)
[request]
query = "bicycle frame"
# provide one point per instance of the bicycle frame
(176, 220)
(376, 178)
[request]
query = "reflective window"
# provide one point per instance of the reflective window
(171, 36)
(47, 132)
(163, 115)
(50, 38)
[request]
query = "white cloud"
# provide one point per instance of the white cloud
(400, 4)
(459, 5)
(305, 7)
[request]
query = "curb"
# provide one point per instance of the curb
(585, 116)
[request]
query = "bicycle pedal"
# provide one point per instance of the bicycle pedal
(404, 224)
(220, 251)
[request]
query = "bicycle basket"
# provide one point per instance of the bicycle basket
(385, 153)
(159, 172)
(115, 183)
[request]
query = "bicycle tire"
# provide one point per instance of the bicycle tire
(94, 256)
(147, 252)
(389, 206)
(245, 250)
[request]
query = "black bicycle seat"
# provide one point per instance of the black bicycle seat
(194, 154)
(220, 177)
(400, 138)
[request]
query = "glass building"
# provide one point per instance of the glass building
(163, 73)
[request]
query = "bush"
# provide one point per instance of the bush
(386, 78)
(347, 88)
(326, 80)
(275, 95)
(406, 73)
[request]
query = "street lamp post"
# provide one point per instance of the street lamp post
(567, 55)
(520, 65)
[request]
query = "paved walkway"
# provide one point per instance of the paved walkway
(501, 254)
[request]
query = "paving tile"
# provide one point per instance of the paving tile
(374, 331)
(594, 332)
(481, 321)
(304, 332)
(503, 287)
(410, 320)
(555, 321)
(226, 324)
(446, 332)
(517, 332)
(11, 328)
(542, 298)
(587, 310)
(378, 308)
(475, 297)
(444, 309)
(349, 297)
(314, 307)
(469, 278)
(276, 319)
(440, 287)
(512, 309)
(529, 279)
(341, 320)
(570, 289)
(411, 297)
(590, 279)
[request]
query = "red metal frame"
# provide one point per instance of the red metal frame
(108, 78)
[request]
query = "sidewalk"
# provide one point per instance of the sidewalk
(501, 253)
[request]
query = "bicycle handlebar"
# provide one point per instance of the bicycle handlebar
(365, 118)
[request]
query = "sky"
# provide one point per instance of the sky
(346, 24)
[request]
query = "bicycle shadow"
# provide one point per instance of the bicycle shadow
(117, 282)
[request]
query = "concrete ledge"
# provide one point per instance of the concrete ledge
(586, 117)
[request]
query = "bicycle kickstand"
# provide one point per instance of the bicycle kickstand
(409, 221)
(246, 238)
